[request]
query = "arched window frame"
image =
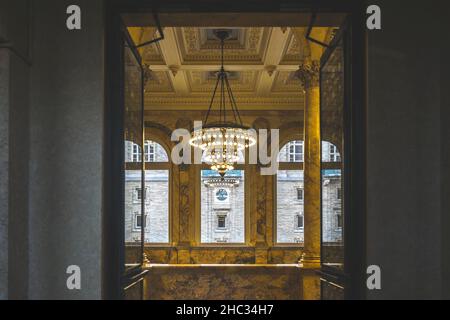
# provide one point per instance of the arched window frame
(294, 161)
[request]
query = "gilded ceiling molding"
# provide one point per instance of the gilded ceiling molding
(193, 50)
(286, 81)
(199, 81)
(159, 81)
(299, 39)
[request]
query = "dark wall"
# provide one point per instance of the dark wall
(404, 180)
(66, 145)
(14, 81)
(445, 156)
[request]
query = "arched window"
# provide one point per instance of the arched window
(156, 194)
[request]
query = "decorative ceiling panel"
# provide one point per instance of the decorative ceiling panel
(199, 44)
(293, 51)
(260, 62)
(151, 54)
(286, 81)
(159, 82)
(240, 81)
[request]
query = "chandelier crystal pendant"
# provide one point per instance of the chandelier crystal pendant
(224, 140)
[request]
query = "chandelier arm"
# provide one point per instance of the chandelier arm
(222, 76)
(212, 101)
(233, 109)
(222, 44)
(221, 96)
(223, 99)
(233, 102)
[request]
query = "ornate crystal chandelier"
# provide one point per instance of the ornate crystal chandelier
(224, 140)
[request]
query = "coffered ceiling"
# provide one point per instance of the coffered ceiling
(261, 62)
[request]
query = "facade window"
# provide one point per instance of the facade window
(138, 222)
(139, 194)
(222, 203)
(299, 193)
(339, 193)
(299, 221)
(221, 222)
(339, 222)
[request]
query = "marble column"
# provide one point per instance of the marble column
(309, 75)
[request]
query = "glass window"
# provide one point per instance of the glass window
(132, 124)
(138, 221)
(154, 152)
(292, 152)
(136, 157)
(289, 191)
(149, 150)
(157, 206)
(339, 220)
(299, 193)
(331, 206)
(221, 222)
(330, 152)
(222, 207)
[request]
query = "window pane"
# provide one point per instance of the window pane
(153, 151)
(133, 192)
(331, 207)
(291, 152)
(222, 207)
(332, 102)
(289, 206)
(157, 206)
(330, 152)
(133, 142)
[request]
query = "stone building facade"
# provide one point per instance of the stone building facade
(222, 207)
(223, 201)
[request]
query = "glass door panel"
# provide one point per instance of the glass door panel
(333, 155)
(134, 183)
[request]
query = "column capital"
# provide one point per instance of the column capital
(308, 73)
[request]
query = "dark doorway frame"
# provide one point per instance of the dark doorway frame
(113, 207)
